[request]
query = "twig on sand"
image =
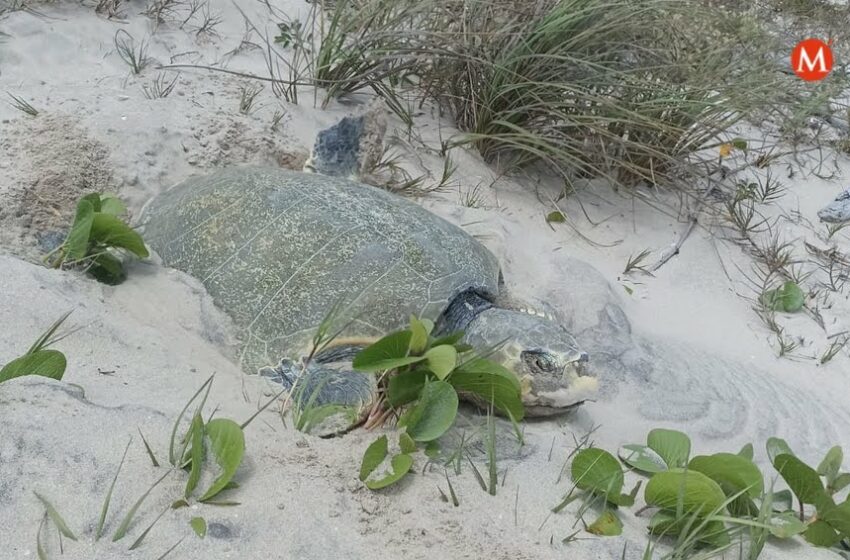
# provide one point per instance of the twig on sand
(693, 218)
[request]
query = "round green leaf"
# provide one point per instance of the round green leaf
(400, 464)
(597, 471)
(831, 463)
(434, 413)
(698, 493)
(441, 360)
(374, 456)
(786, 525)
(642, 458)
(775, 447)
(492, 383)
(608, 525)
(671, 445)
(802, 479)
(733, 473)
(789, 298)
(838, 518)
(820, 533)
(199, 525)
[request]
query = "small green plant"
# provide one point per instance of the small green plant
(788, 298)
(95, 236)
(423, 375)
(220, 438)
(39, 359)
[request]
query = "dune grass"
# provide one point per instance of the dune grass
(622, 89)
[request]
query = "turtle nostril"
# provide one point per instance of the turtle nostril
(583, 358)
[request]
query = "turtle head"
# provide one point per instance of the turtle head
(541, 353)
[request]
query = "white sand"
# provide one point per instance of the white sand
(699, 358)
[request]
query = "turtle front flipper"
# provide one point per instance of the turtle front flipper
(327, 399)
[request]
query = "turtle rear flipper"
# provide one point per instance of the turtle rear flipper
(326, 399)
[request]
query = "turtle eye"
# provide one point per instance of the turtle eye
(538, 361)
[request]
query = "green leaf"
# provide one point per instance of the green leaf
(199, 525)
(196, 435)
(699, 494)
(374, 456)
(112, 205)
(608, 525)
(418, 335)
(597, 471)
(838, 518)
(786, 525)
(76, 244)
(406, 443)
(441, 360)
(739, 143)
(400, 464)
(775, 447)
(666, 523)
(555, 217)
(831, 463)
(434, 413)
(747, 452)
(732, 472)
(672, 446)
(801, 478)
(113, 232)
(405, 387)
(46, 363)
(227, 443)
(108, 269)
(820, 533)
(388, 353)
(642, 458)
(840, 483)
(789, 298)
(94, 199)
(451, 339)
(491, 382)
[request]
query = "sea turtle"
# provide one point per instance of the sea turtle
(278, 250)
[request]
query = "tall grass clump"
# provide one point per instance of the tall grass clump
(622, 89)
(626, 90)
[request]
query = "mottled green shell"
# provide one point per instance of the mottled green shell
(278, 249)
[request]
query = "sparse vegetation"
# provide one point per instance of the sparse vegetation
(219, 438)
(135, 56)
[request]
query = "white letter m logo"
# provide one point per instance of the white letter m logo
(805, 59)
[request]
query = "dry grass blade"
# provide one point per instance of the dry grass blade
(161, 87)
(22, 105)
(170, 550)
(56, 518)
